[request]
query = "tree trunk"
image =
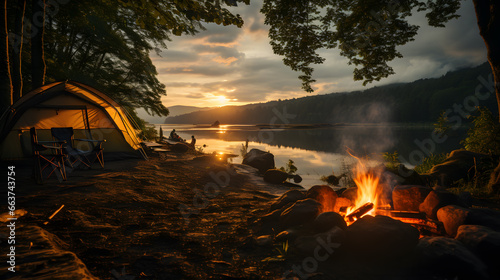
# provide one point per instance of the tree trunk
(5, 77)
(488, 20)
(17, 75)
(37, 26)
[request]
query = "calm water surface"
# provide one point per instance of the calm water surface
(319, 151)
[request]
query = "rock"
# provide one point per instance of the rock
(449, 259)
(328, 220)
(435, 200)
(452, 216)
(290, 196)
(261, 160)
(325, 195)
(458, 165)
(407, 176)
(484, 242)
(351, 194)
(380, 238)
(321, 245)
(300, 212)
(275, 176)
(269, 223)
(409, 197)
(342, 203)
(484, 217)
(264, 240)
(340, 191)
(179, 148)
(297, 179)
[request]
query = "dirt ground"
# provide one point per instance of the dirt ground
(127, 221)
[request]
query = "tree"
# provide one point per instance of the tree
(367, 32)
(5, 76)
(107, 43)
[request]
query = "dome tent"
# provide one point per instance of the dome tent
(68, 104)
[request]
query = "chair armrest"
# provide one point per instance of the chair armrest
(59, 142)
(40, 147)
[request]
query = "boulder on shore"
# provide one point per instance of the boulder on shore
(380, 238)
(460, 164)
(452, 217)
(325, 195)
(259, 159)
(301, 212)
(328, 220)
(437, 199)
(275, 176)
(409, 197)
(482, 241)
(179, 147)
(447, 258)
(289, 197)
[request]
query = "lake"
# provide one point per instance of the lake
(321, 151)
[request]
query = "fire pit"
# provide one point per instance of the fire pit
(380, 221)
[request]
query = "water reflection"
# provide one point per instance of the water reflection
(316, 152)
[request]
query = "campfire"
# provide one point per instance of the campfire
(373, 197)
(387, 218)
(368, 193)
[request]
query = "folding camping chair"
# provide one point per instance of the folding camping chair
(47, 163)
(78, 156)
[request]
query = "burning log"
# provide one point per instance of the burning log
(407, 214)
(358, 213)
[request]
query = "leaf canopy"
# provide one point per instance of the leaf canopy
(367, 32)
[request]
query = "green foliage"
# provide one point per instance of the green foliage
(478, 185)
(484, 135)
(442, 125)
(391, 160)
(429, 162)
(290, 168)
(366, 32)
(147, 131)
(282, 252)
(244, 149)
(107, 43)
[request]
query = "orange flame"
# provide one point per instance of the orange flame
(369, 190)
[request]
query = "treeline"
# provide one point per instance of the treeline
(419, 101)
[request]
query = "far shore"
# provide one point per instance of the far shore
(314, 125)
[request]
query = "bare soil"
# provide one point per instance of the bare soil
(125, 219)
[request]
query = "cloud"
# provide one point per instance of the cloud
(205, 70)
(195, 95)
(177, 56)
(238, 63)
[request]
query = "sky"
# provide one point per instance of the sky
(226, 65)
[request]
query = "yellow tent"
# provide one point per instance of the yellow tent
(68, 104)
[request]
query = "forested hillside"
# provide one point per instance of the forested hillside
(419, 101)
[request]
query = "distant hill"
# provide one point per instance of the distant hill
(418, 101)
(181, 110)
(173, 111)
